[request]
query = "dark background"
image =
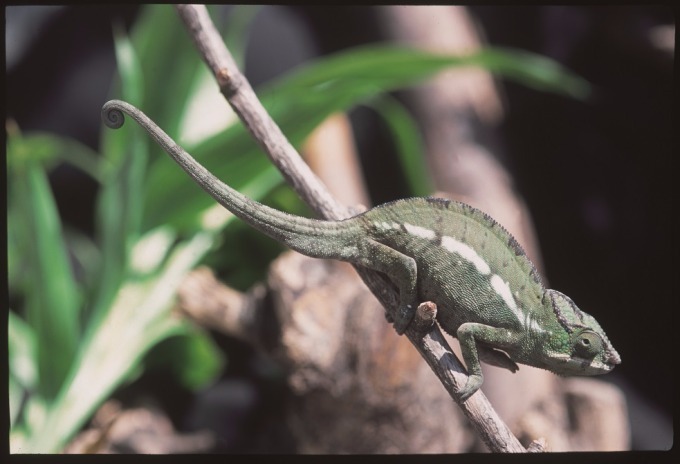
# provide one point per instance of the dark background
(597, 175)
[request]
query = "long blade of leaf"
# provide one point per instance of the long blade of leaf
(408, 142)
(23, 369)
(299, 101)
(391, 65)
(168, 62)
(51, 150)
(52, 296)
(138, 320)
(119, 205)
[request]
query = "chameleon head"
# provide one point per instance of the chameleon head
(581, 346)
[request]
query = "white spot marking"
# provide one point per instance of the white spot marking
(503, 289)
(418, 231)
(535, 327)
(387, 225)
(454, 246)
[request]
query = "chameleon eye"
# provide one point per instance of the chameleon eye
(588, 344)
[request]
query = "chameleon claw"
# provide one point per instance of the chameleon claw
(400, 326)
(403, 318)
(473, 383)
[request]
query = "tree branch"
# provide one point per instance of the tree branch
(240, 95)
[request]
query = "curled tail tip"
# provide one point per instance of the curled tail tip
(112, 114)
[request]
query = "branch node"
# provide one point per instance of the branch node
(539, 445)
(424, 318)
(228, 82)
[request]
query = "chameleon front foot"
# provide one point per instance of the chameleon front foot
(473, 383)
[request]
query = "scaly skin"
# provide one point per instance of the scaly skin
(488, 294)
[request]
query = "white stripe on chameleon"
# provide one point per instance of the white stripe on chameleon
(454, 246)
(421, 232)
(503, 289)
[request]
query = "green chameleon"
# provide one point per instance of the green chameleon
(488, 294)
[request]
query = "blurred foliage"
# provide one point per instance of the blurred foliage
(72, 341)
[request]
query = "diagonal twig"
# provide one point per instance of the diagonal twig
(431, 345)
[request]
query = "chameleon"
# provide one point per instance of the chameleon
(488, 293)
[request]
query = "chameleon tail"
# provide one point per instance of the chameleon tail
(299, 233)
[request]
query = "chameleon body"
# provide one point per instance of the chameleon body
(488, 293)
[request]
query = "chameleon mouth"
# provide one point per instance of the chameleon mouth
(608, 364)
(588, 367)
(613, 359)
(596, 368)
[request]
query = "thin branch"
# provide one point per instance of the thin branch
(240, 95)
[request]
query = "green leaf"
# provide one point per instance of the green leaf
(389, 66)
(23, 369)
(15, 394)
(50, 150)
(192, 356)
(129, 66)
(299, 101)
(179, 86)
(86, 257)
(206, 112)
(120, 200)
(138, 319)
(408, 142)
(22, 347)
(51, 296)
(169, 63)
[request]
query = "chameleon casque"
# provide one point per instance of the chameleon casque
(488, 293)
